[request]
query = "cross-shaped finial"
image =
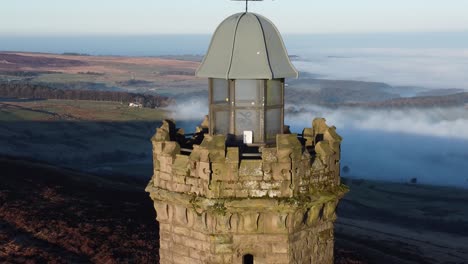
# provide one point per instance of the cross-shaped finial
(247, 3)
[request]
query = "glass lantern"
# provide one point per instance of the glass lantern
(253, 106)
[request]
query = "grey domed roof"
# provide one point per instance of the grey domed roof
(246, 46)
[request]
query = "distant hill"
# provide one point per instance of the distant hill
(319, 91)
(10, 61)
(38, 91)
(336, 93)
(453, 100)
(440, 92)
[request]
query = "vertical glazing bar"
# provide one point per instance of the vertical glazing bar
(282, 106)
(211, 115)
(232, 98)
(262, 110)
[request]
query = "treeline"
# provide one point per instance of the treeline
(37, 91)
(453, 100)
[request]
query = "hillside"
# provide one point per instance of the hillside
(54, 215)
(44, 91)
(51, 215)
(319, 91)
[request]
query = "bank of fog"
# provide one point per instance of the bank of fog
(430, 145)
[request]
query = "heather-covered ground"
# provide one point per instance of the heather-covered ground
(53, 215)
(49, 215)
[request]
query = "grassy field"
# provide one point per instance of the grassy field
(102, 137)
(42, 110)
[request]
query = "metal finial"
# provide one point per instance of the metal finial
(247, 3)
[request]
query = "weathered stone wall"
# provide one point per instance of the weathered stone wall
(205, 231)
(214, 171)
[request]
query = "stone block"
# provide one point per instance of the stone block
(281, 171)
(279, 258)
(223, 223)
(275, 193)
(223, 248)
(221, 239)
(284, 155)
(165, 226)
(232, 173)
(191, 181)
(171, 148)
(227, 258)
(267, 171)
(162, 211)
(329, 210)
(165, 176)
(241, 193)
(249, 222)
(215, 259)
(270, 185)
(227, 193)
(269, 155)
(281, 248)
(180, 230)
(204, 154)
(232, 155)
(165, 256)
(258, 193)
(179, 259)
(170, 186)
(204, 170)
(273, 222)
(179, 239)
(180, 216)
(201, 246)
(156, 164)
(181, 165)
(165, 235)
(163, 244)
(220, 171)
(199, 235)
(250, 185)
(165, 163)
(234, 222)
(251, 169)
(163, 184)
(158, 147)
(178, 179)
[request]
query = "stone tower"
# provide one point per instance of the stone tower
(242, 189)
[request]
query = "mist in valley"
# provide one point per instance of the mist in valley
(428, 145)
(414, 70)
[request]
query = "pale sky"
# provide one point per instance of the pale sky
(80, 17)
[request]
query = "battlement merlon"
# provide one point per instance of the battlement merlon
(298, 166)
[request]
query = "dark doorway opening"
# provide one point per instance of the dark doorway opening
(248, 259)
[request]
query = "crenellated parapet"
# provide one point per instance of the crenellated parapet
(290, 169)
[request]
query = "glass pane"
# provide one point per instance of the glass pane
(221, 122)
(248, 120)
(249, 92)
(274, 93)
(220, 91)
(273, 123)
